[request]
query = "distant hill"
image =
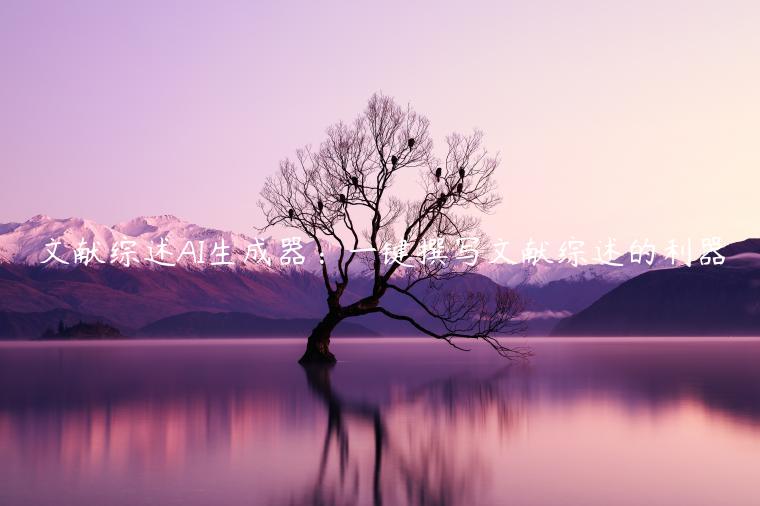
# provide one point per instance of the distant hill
(698, 300)
(741, 247)
(203, 324)
(82, 330)
(31, 325)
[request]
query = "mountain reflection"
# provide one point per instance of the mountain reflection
(396, 423)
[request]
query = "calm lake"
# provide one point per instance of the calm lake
(397, 421)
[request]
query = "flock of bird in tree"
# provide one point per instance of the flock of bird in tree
(394, 162)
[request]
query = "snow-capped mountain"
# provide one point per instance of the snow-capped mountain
(193, 246)
(132, 243)
(8, 227)
(543, 273)
(197, 247)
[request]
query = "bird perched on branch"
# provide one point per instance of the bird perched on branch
(355, 181)
(461, 172)
(291, 213)
(394, 160)
(320, 205)
(438, 174)
(342, 198)
(410, 143)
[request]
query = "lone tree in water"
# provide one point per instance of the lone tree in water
(341, 193)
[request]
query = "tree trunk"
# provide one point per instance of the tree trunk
(318, 344)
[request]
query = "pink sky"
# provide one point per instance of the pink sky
(630, 119)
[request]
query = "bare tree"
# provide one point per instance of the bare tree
(340, 193)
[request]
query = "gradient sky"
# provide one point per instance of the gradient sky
(631, 119)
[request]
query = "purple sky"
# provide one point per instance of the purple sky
(633, 119)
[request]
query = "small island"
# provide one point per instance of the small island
(82, 330)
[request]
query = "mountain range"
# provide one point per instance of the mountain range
(139, 295)
(703, 300)
(26, 243)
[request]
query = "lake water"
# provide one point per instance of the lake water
(397, 421)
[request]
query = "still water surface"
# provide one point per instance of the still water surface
(397, 421)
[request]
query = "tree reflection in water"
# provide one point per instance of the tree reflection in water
(418, 463)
